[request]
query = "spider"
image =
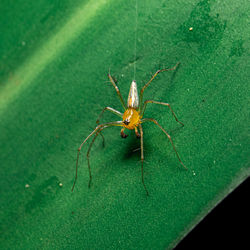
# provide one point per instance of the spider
(132, 118)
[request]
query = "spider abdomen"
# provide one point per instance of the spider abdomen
(133, 99)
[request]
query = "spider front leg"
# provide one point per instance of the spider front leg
(104, 125)
(116, 112)
(137, 133)
(169, 137)
(142, 159)
(88, 153)
(161, 103)
(123, 135)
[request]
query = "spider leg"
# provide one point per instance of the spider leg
(123, 135)
(88, 153)
(142, 159)
(137, 133)
(161, 103)
(152, 78)
(169, 137)
(104, 125)
(117, 90)
(116, 112)
(103, 140)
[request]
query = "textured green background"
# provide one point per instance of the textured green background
(54, 59)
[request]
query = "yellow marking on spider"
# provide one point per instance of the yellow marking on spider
(132, 119)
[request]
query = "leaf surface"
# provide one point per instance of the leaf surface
(53, 84)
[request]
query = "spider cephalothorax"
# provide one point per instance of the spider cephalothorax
(132, 118)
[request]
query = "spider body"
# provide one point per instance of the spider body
(132, 118)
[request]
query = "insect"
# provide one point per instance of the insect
(131, 119)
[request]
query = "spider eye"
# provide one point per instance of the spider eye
(126, 122)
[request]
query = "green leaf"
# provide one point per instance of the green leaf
(55, 57)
